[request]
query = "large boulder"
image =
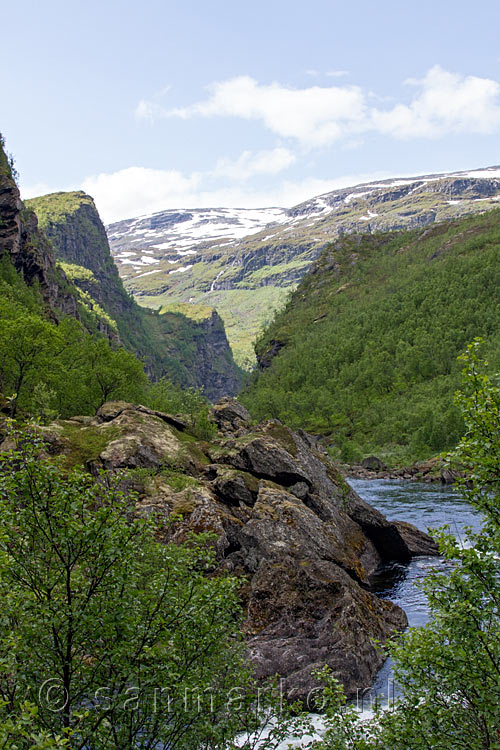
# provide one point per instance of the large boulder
(372, 463)
(418, 543)
(303, 614)
(230, 416)
(282, 517)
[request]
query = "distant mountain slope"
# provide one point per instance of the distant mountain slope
(366, 349)
(202, 257)
(190, 349)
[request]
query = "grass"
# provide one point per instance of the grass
(86, 443)
(56, 207)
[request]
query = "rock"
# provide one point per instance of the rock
(144, 441)
(234, 487)
(266, 459)
(265, 359)
(372, 463)
(30, 251)
(229, 415)
(448, 475)
(284, 519)
(112, 409)
(417, 542)
(304, 614)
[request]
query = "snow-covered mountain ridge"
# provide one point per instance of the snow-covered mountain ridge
(245, 261)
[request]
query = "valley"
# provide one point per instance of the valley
(245, 263)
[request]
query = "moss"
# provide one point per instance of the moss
(283, 436)
(177, 480)
(195, 452)
(86, 443)
(183, 505)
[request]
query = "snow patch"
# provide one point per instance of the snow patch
(146, 273)
(182, 269)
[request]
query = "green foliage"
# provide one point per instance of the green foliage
(194, 312)
(114, 636)
(20, 730)
(57, 207)
(168, 397)
(43, 402)
(7, 164)
(370, 339)
(62, 368)
(77, 273)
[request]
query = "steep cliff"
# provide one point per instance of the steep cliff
(28, 248)
(190, 352)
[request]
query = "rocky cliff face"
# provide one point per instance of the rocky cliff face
(282, 517)
(191, 352)
(203, 256)
(28, 248)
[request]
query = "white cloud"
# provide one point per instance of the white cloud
(446, 103)
(137, 190)
(249, 164)
(316, 116)
(337, 73)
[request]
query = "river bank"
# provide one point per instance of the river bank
(434, 470)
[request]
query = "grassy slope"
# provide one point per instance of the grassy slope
(371, 338)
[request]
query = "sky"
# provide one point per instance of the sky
(160, 104)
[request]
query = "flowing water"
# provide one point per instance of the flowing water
(427, 506)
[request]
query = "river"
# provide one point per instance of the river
(427, 506)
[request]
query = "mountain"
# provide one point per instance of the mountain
(365, 352)
(190, 349)
(202, 257)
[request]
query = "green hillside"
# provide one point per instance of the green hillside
(178, 342)
(366, 349)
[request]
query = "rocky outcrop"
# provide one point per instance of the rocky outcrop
(216, 371)
(28, 248)
(435, 469)
(304, 543)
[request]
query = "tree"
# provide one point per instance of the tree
(120, 640)
(112, 373)
(25, 346)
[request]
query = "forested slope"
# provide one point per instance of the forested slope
(366, 349)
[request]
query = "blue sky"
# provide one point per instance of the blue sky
(168, 104)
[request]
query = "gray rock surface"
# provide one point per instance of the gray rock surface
(283, 518)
